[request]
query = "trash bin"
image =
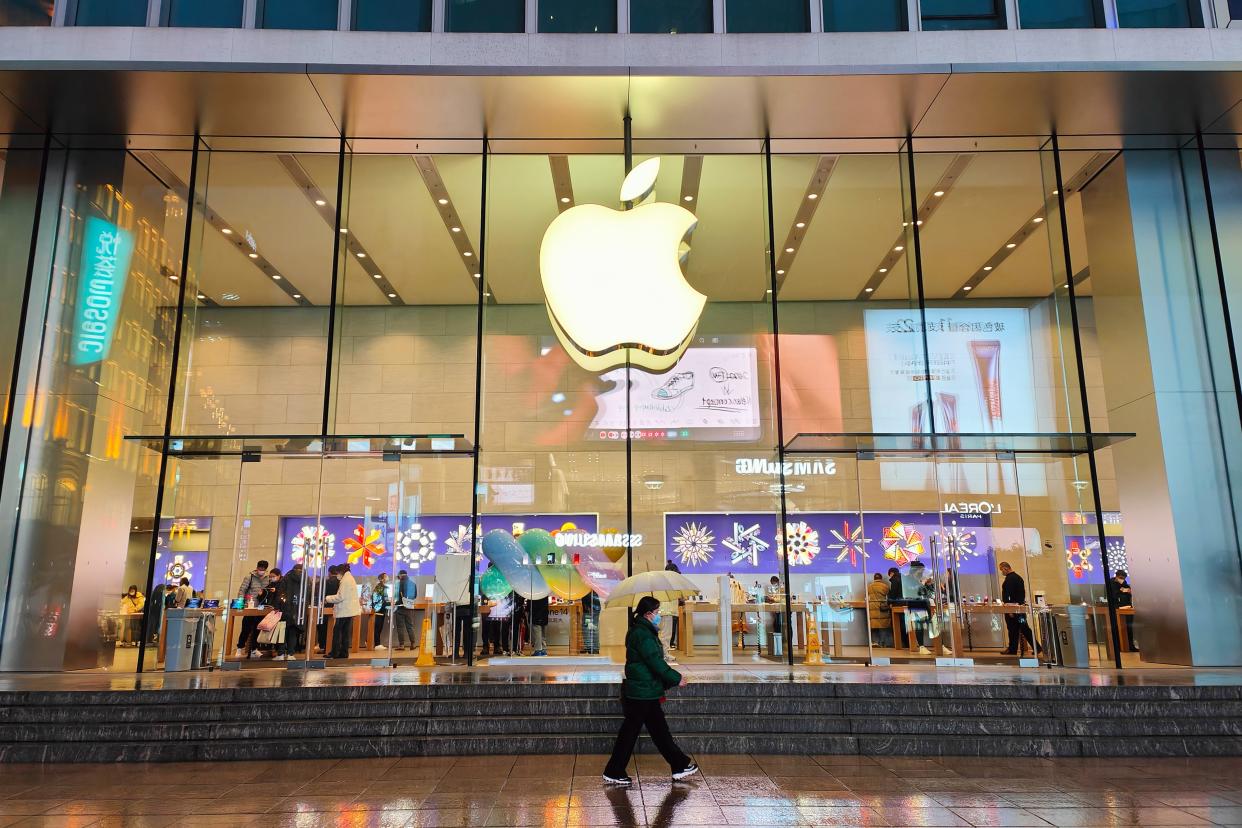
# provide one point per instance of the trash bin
(1071, 636)
(776, 644)
(205, 640)
(183, 640)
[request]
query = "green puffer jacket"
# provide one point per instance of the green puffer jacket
(647, 674)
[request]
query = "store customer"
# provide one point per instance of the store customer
(291, 601)
(463, 630)
(183, 593)
(647, 678)
(345, 608)
(674, 639)
(250, 591)
(132, 603)
(381, 605)
(896, 593)
(1013, 591)
(879, 613)
(1122, 596)
(403, 619)
(539, 626)
(329, 588)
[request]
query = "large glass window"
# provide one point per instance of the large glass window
(297, 14)
(110, 13)
(1158, 14)
(1060, 14)
(215, 14)
(577, 15)
(670, 16)
(485, 16)
(865, 16)
(25, 13)
(767, 16)
(392, 15)
(939, 15)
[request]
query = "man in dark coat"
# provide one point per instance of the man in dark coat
(1013, 591)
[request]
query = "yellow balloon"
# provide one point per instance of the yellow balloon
(564, 581)
(614, 553)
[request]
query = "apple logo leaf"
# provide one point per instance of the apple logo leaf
(641, 181)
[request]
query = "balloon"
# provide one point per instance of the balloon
(514, 564)
(493, 584)
(539, 544)
(600, 573)
(564, 581)
(614, 553)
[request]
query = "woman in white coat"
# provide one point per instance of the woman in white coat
(345, 608)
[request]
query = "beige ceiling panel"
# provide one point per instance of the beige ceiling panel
(728, 255)
(847, 106)
(1026, 273)
(521, 205)
(225, 272)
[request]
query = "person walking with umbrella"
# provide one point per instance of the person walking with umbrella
(647, 677)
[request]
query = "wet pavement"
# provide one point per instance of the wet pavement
(566, 790)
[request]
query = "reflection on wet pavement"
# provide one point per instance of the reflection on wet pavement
(566, 790)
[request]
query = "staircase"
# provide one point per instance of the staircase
(543, 718)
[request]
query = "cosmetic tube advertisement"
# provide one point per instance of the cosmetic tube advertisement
(978, 378)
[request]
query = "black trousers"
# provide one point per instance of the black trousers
(464, 636)
(342, 637)
(293, 640)
(249, 631)
(639, 714)
(673, 640)
(381, 618)
(1018, 629)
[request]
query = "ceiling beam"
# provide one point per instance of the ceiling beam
(811, 199)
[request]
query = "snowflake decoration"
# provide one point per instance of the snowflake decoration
(803, 543)
(1078, 558)
(694, 544)
(417, 545)
(849, 543)
(960, 543)
(460, 540)
(178, 568)
(1115, 549)
(745, 545)
(313, 546)
(902, 543)
(365, 546)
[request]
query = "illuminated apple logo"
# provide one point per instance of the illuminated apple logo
(613, 280)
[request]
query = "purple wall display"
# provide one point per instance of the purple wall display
(827, 542)
(182, 551)
(720, 543)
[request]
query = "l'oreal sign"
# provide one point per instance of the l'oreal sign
(981, 507)
(792, 468)
(106, 253)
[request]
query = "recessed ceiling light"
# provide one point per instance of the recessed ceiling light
(1065, 285)
(226, 231)
(968, 287)
(1010, 246)
(201, 296)
(899, 248)
(319, 202)
(442, 200)
(789, 250)
(689, 198)
(919, 222)
(868, 290)
(905, 224)
(813, 196)
(564, 199)
(779, 273)
(478, 275)
(456, 229)
(297, 296)
(884, 270)
(253, 255)
(379, 276)
(344, 230)
(392, 296)
(1038, 219)
(467, 254)
(360, 255)
(800, 225)
(987, 267)
(1056, 192)
(173, 276)
(938, 193)
(276, 276)
(769, 291)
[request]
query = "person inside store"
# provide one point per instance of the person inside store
(1013, 591)
(403, 619)
(381, 606)
(496, 630)
(182, 594)
(591, 607)
(271, 599)
(879, 613)
(132, 603)
(1120, 593)
(647, 678)
(249, 593)
(538, 617)
(775, 595)
(331, 585)
(895, 593)
(291, 601)
(673, 639)
(345, 608)
(463, 631)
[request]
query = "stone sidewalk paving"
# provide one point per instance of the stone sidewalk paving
(567, 791)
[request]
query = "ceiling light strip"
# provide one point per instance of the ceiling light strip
(562, 183)
(811, 199)
(448, 214)
(1028, 228)
(352, 247)
(691, 179)
(937, 196)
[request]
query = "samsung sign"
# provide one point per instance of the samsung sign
(106, 253)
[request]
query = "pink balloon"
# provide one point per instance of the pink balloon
(598, 570)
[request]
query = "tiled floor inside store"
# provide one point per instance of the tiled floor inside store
(567, 791)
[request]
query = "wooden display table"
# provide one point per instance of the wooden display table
(1123, 633)
(686, 615)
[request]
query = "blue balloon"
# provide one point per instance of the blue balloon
(503, 550)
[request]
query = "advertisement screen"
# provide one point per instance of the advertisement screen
(711, 394)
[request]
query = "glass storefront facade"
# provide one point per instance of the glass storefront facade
(915, 367)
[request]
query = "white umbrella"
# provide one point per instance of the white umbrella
(663, 584)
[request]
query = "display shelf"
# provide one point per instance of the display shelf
(313, 445)
(1065, 443)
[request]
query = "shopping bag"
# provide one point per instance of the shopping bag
(269, 621)
(276, 635)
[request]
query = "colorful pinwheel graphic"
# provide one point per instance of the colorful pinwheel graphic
(178, 568)
(803, 543)
(849, 543)
(745, 545)
(365, 546)
(313, 546)
(958, 542)
(460, 540)
(1078, 558)
(416, 545)
(694, 544)
(902, 543)
(1115, 548)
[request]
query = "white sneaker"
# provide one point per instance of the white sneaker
(380, 647)
(256, 654)
(239, 653)
(280, 658)
(924, 651)
(946, 651)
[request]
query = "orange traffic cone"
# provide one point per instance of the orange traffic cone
(426, 647)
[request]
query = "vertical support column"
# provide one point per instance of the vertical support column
(1110, 13)
(815, 13)
(1012, 17)
(718, 16)
(532, 16)
(345, 15)
(914, 16)
(628, 127)
(250, 14)
(623, 16)
(476, 543)
(154, 11)
(437, 15)
(337, 290)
